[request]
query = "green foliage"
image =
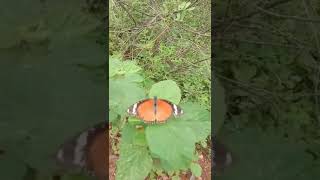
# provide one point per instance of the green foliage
(44, 89)
(170, 42)
(196, 169)
(278, 159)
(117, 67)
(172, 143)
(166, 90)
(267, 61)
(270, 79)
(197, 118)
(135, 161)
(123, 87)
(164, 47)
(182, 10)
(122, 94)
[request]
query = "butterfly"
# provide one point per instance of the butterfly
(87, 151)
(154, 110)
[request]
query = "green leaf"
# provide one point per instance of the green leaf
(135, 161)
(114, 66)
(134, 120)
(112, 116)
(117, 67)
(132, 135)
(196, 169)
(198, 119)
(136, 78)
(123, 94)
(130, 67)
(167, 89)
(173, 143)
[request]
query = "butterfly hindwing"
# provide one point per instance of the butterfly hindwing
(176, 110)
(81, 150)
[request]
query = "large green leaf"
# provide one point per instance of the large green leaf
(135, 161)
(198, 119)
(173, 143)
(124, 90)
(122, 94)
(132, 135)
(167, 89)
(134, 78)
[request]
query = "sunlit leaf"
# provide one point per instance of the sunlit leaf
(167, 89)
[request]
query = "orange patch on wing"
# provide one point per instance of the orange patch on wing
(146, 111)
(164, 111)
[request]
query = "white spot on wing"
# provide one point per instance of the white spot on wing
(175, 110)
(78, 152)
(134, 108)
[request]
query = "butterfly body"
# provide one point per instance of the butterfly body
(154, 110)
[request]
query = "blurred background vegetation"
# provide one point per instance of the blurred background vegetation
(267, 56)
(53, 81)
(169, 40)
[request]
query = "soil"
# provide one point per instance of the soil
(204, 161)
(112, 163)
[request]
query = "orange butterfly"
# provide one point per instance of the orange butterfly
(154, 110)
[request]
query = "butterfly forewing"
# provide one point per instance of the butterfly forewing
(164, 111)
(146, 111)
